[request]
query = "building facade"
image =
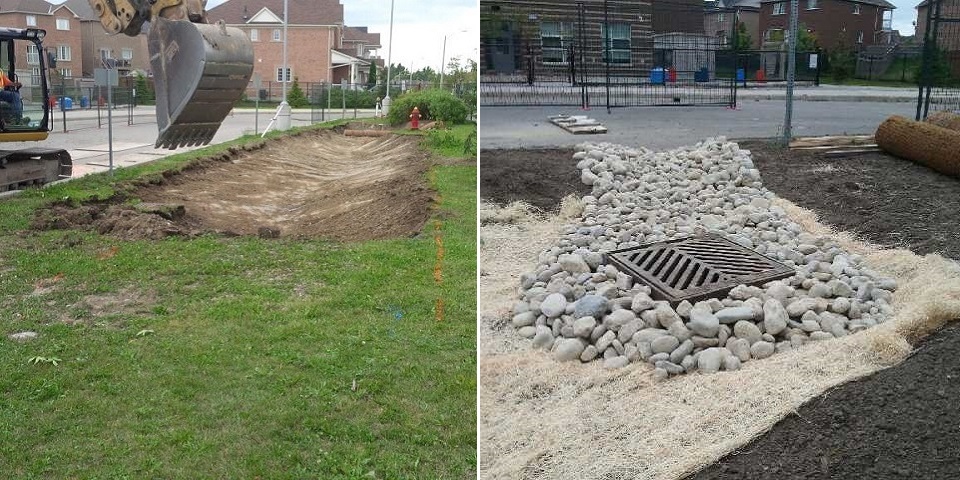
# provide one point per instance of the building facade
(722, 20)
(63, 40)
(557, 40)
(834, 24)
(320, 48)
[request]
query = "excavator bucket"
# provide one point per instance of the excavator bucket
(199, 71)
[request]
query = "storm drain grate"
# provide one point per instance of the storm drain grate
(695, 268)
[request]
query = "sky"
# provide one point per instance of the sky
(419, 28)
(904, 15)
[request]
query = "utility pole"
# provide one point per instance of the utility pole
(386, 99)
(791, 72)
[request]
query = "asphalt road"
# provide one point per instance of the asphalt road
(670, 127)
(133, 136)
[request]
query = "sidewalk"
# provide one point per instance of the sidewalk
(830, 93)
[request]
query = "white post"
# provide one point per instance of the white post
(283, 113)
(386, 99)
(443, 58)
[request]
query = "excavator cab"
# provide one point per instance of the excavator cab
(24, 106)
(25, 113)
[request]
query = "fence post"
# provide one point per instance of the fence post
(816, 80)
(606, 49)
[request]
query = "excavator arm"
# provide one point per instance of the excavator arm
(199, 70)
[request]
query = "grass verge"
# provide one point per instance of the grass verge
(237, 357)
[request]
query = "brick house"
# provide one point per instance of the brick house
(523, 38)
(722, 17)
(854, 24)
(320, 48)
(63, 39)
(130, 53)
(948, 33)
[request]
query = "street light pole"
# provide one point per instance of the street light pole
(283, 112)
(386, 99)
(443, 56)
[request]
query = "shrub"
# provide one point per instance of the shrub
(433, 105)
(296, 97)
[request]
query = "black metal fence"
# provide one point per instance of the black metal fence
(588, 55)
(939, 73)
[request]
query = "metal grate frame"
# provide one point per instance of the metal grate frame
(695, 268)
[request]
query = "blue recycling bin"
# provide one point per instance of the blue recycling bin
(67, 103)
(84, 102)
(658, 76)
(741, 75)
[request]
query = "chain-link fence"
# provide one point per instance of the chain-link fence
(939, 74)
(594, 54)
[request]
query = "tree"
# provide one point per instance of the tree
(742, 41)
(806, 40)
(372, 76)
(296, 97)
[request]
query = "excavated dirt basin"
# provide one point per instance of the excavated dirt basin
(312, 185)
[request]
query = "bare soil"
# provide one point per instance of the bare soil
(900, 422)
(884, 199)
(314, 185)
(539, 177)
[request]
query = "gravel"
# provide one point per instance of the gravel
(579, 307)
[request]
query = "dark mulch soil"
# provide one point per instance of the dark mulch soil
(886, 200)
(903, 422)
(538, 177)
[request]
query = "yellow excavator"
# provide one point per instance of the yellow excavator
(199, 70)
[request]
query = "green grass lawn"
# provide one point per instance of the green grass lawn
(237, 357)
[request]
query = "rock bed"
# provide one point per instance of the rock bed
(579, 308)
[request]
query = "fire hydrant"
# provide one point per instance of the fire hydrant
(415, 119)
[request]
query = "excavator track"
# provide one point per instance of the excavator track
(33, 167)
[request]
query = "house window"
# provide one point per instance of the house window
(618, 48)
(719, 18)
(812, 5)
(31, 20)
(63, 24)
(106, 53)
(773, 35)
(126, 53)
(555, 38)
(254, 35)
(779, 8)
(63, 53)
(33, 55)
(35, 76)
(856, 9)
(280, 74)
(66, 73)
(859, 36)
(276, 35)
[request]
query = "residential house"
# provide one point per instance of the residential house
(853, 24)
(63, 39)
(129, 54)
(948, 32)
(320, 48)
(677, 16)
(557, 40)
(722, 19)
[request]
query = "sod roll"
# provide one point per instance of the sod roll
(946, 120)
(921, 142)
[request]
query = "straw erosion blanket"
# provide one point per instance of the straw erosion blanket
(540, 418)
